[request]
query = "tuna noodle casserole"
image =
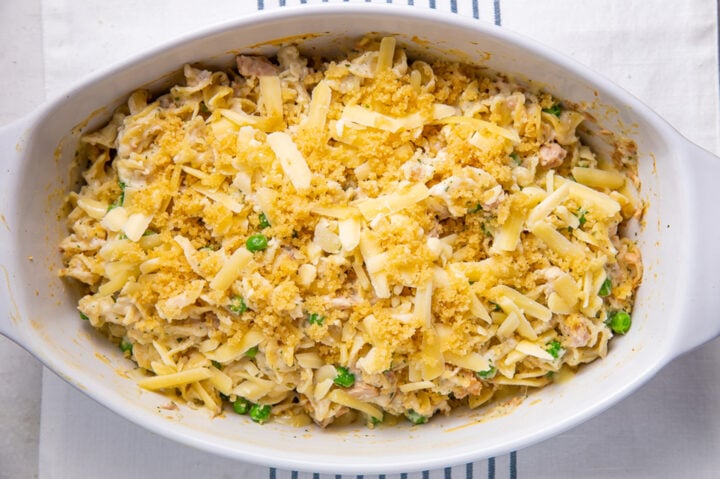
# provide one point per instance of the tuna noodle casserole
(365, 238)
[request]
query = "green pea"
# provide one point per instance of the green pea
(415, 418)
(237, 305)
(344, 377)
(241, 405)
(252, 352)
(619, 322)
(263, 221)
(256, 242)
(488, 373)
(126, 346)
(260, 413)
(554, 347)
(606, 288)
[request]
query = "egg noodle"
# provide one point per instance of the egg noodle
(364, 238)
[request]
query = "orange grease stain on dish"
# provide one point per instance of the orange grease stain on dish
(281, 41)
(14, 312)
(502, 409)
(420, 41)
(57, 153)
(77, 129)
(103, 358)
(654, 164)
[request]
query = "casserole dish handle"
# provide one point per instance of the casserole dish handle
(703, 316)
(12, 146)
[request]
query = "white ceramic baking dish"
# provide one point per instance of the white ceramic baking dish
(676, 308)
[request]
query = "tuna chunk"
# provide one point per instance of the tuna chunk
(552, 155)
(251, 66)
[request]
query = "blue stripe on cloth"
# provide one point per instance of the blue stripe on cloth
(294, 475)
(411, 2)
(403, 475)
(453, 6)
(448, 470)
(426, 474)
(432, 3)
(273, 471)
(261, 4)
(338, 476)
(476, 9)
(513, 465)
(282, 3)
(491, 468)
(316, 476)
(469, 470)
(496, 8)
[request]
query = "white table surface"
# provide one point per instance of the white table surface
(21, 90)
(658, 408)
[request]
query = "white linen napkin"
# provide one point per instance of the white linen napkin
(663, 52)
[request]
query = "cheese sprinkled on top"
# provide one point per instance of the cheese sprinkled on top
(356, 238)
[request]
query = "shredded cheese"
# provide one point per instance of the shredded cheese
(349, 238)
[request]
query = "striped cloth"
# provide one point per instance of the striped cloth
(666, 56)
(479, 9)
(505, 467)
